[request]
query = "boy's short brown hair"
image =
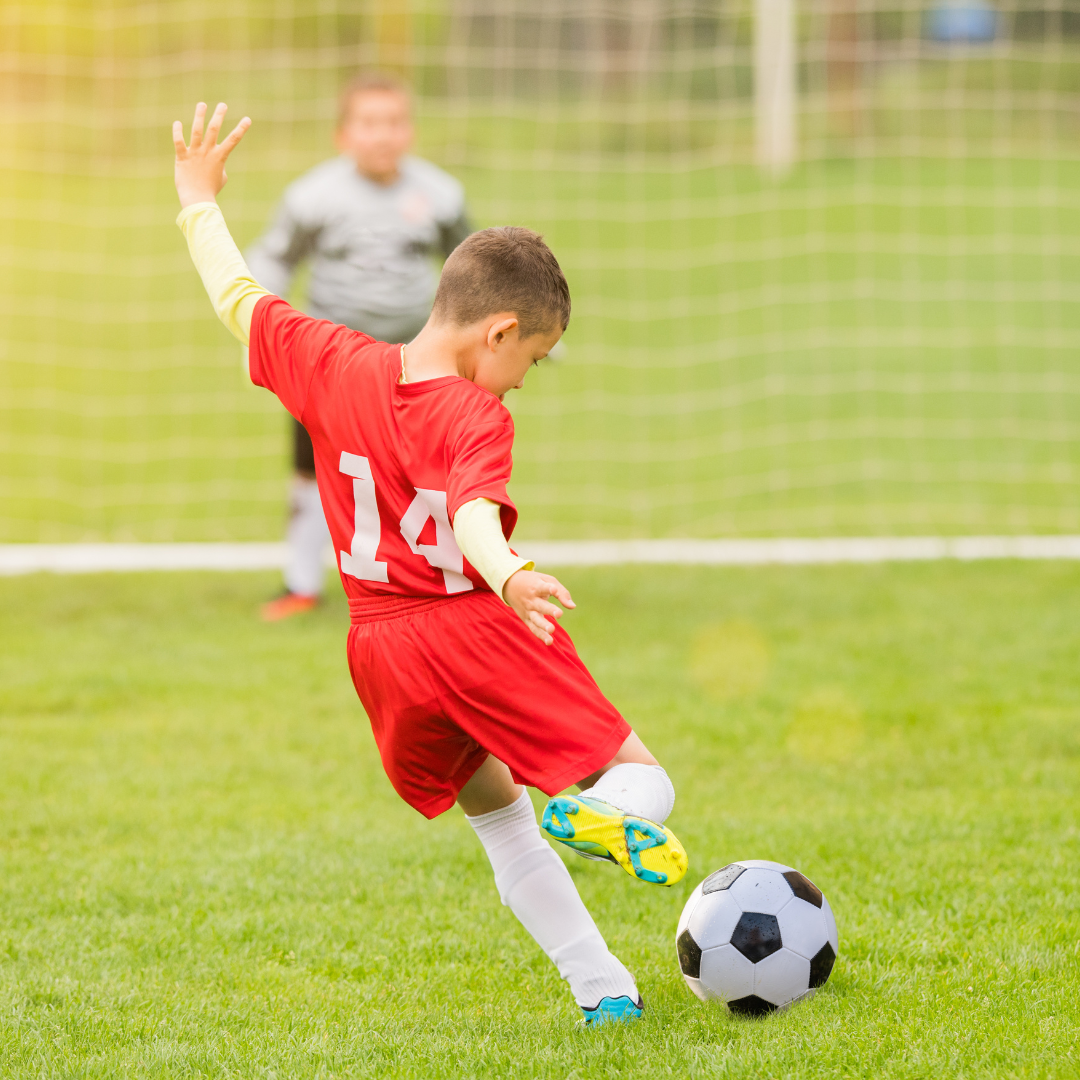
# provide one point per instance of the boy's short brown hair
(366, 82)
(504, 269)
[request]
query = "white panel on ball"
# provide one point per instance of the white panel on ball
(830, 925)
(714, 918)
(726, 971)
(688, 909)
(764, 864)
(761, 890)
(702, 992)
(802, 928)
(782, 977)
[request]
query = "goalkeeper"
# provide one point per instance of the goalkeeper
(369, 222)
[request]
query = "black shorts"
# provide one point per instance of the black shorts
(303, 451)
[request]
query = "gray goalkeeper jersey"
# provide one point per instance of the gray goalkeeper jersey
(370, 246)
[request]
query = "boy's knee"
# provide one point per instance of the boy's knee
(634, 788)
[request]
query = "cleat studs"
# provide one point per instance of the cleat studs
(556, 821)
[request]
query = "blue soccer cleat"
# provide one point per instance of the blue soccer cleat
(618, 1010)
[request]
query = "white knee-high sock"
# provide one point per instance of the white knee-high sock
(536, 886)
(306, 539)
(642, 790)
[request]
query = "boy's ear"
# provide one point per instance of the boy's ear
(500, 329)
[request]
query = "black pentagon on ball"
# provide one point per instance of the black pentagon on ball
(821, 965)
(756, 936)
(690, 955)
(721, 879)
(803, 887)
(751, 1006)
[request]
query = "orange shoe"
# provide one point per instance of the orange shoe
(287, 605)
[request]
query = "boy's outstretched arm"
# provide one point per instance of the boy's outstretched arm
(199, 174)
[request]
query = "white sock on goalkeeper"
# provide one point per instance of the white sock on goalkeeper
(306, 539)
(639, 790)
(536, 886)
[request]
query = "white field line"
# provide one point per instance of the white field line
(800, 551)
(96, 558)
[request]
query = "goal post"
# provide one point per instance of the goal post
(775, 84)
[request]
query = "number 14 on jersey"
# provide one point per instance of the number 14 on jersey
(361, 562)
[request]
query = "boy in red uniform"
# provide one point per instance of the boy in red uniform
(472, 688)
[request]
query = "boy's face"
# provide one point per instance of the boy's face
(376, 133)
(507, 359)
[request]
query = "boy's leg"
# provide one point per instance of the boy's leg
(306, 538)
(535, 885)
(619, 816)
(490, 788)
(634, 782)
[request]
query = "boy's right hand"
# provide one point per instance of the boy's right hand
(527, 592)
(200, 168)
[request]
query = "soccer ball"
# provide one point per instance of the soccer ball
(757, 935)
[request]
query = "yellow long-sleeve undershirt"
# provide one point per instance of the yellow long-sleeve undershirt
(232, 289)
(478, 531)
(234, 292)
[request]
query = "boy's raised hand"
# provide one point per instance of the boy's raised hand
(527, 593)
(200, 167)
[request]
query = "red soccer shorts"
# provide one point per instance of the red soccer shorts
(446, 682)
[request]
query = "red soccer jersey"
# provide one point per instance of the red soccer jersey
(394, 461)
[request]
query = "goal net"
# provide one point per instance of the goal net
(825, 293)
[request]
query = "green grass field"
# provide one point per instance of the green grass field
(204, 872)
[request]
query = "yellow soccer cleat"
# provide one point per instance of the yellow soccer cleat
(644, 849)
